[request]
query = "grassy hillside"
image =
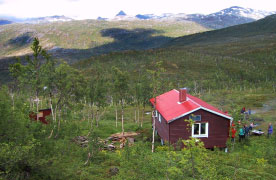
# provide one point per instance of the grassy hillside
(237, 40)
(15, 39)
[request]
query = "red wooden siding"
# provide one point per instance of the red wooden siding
(218, 131)
(162, 129)
(42, 115)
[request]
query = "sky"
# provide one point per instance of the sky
(91, 9)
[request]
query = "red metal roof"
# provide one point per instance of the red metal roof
(170, 108)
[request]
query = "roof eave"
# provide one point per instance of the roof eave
(214, 112)
(182, 115)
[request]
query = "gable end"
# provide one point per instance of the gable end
(208, 110)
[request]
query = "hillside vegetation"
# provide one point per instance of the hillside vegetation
(109, 93)
(72, 36)
(237, 40)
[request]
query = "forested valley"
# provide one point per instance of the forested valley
(106, 94)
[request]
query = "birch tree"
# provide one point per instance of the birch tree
(146, 93)
(66, 86)
(31, 74)
(121, 80)
(155, 86)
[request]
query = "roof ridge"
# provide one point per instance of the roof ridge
(194, 101)
(190, 99)
(170, 100)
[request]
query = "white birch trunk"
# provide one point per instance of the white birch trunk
(153, 133)
(135, 119)
(143, 112)
(138, 118)
(37, 102)
(97, 117)
(59, 121)
(12, 96)
(123, 130)
(116, 111)
(53, 113)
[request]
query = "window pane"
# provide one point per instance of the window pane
(195, 117)
(203, 128)
(159, 117)
(196, 129)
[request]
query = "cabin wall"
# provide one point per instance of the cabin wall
(218, 130)
(41, 115)
(162, 128)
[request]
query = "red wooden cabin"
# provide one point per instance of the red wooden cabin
(172, 108)
(41, 115)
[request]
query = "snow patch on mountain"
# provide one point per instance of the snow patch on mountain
(47, 19)
(243, 12)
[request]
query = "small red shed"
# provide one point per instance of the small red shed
(172, 108)
(41, 115)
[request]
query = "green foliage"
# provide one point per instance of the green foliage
(139, 163)
(120, 81)
(98, 87)
(31, 75)
(227, 75)
(192, 162)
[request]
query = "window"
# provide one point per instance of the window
(195, 117)
(156, 113)
(200, 130)
(159, 117)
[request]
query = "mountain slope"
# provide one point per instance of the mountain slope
(76, 40)
(262, 31)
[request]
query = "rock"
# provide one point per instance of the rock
(81, 141)
(109, 147)
(113, 171)
(130, 141)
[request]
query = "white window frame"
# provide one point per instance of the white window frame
(156, 113)
(201, 135)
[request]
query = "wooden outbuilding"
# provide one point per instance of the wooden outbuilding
(174, 107)
(41, 115)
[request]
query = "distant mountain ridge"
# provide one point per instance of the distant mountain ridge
(121, 13)
(48, 19)
(227, 17)
(4, 21)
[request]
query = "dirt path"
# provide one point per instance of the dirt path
(267, 107)
(265, 114)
